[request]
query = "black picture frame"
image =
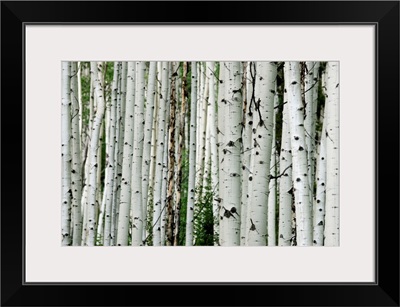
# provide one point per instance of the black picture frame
(383, 14)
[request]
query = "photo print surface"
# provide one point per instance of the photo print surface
(200, 153)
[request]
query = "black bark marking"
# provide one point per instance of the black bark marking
(228, 214)
(253, 226)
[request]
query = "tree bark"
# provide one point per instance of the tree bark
(261, 153)
(92, 205)
(332, 153)
(192, 157)
(285, 183)
(157, 201)
(125, 196)
(66, 159)
(299, 156)
(76, 171)
(137, 196)
(231, 153)
(151, 90)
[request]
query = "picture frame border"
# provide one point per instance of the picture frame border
(14, 18)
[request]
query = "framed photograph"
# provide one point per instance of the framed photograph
(159, 153)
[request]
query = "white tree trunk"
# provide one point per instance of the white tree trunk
(80, 106)
(332, 154)
(125, 196)
(161, 130)
(137, 196)
(221, 123)
(231, 153)
(165, 173)
(119, 149)
(153, 150)
(315, 133)
(97, 74)
(285, 182)
(212, 117)
(309, 123)
(101, 216)
(147, 140)
(261, 153)
(86, 161)
(192, 157)
(76, 171)
(111, 159)
(299, 156)
(247, 146)
(164, 186)
(273, 183)
(319, 212)
(201, 140)
(99, 195)
(66, 189)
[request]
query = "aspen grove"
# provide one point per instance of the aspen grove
(200, 153)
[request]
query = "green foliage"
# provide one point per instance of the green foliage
(184, 197)
(85, 90)
(204, 219)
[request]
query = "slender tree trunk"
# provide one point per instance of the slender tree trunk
(80, 106)
(285, 183)
(315, 88)
(121, 105)
(165, 171)
(192, 157)
(111, 159)
(231, 151)
(76, 175)
(299, 156)
(201, 141)
(137, 196)
(102, 199)
(171, 162)
(66, 188)
(164, 184)
(147, 140)
(86, 159)
(125, 196)
(332, 154)
(309, 124)
(153, 150)
(247, 145)
(157, 201)
(97, 74)
(273, 183)
(99, 193)
(212, 117)
(319, 215)
(261, 153)
(221, 130)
